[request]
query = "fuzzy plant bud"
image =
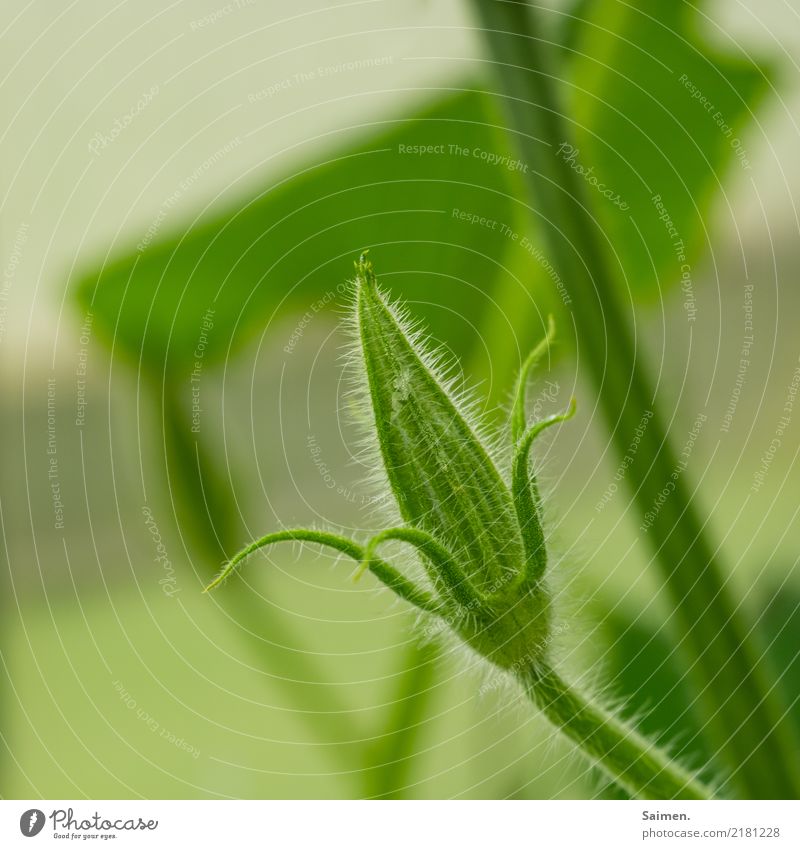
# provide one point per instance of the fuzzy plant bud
(478, 535)
(449, 490)
(480, 538)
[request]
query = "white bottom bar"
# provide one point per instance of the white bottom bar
(401, 825)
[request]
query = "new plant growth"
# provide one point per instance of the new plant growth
(480, 536)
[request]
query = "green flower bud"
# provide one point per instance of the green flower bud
(480, 538)
(440, 472)
(448, 487)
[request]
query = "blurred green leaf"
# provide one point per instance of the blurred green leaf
(658, 111)
(648, 676)
(638, 78)
(567, 27)
(649, 679)
(287, 248)
(779, 627)
(394, 752)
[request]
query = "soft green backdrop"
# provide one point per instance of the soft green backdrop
(84, 615)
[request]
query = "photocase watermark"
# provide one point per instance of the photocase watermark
(330, 482)
(433, 628)
(569, 153)
(680, 255)
(206, 326)
(184, 186)
(67, 826)
(218, 14)
(320, 72)
(627, 460)
(307, 317)
(52, 457)
(449, 149)
(548, 395)
(168, 583)
(10, 273)
(152, 723)
(780, 431)
(478, 220)
(719, 119)
(80, 369)
(680, 467)
(744, 359)
(31, 822)
(100, 141)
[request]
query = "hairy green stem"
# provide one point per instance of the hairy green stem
(394, 753)
(533, 359)
(527, 501)
(744, 714)
(335, 541)
(443, 570)
(635, 763)
(390, 759)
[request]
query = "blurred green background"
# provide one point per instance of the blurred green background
(161, 162)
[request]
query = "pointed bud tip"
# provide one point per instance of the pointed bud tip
(365, 273)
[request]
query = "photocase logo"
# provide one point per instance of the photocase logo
(31, 822)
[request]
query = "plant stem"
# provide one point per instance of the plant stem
(395, 751)
(744, 714)
(628, 758)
